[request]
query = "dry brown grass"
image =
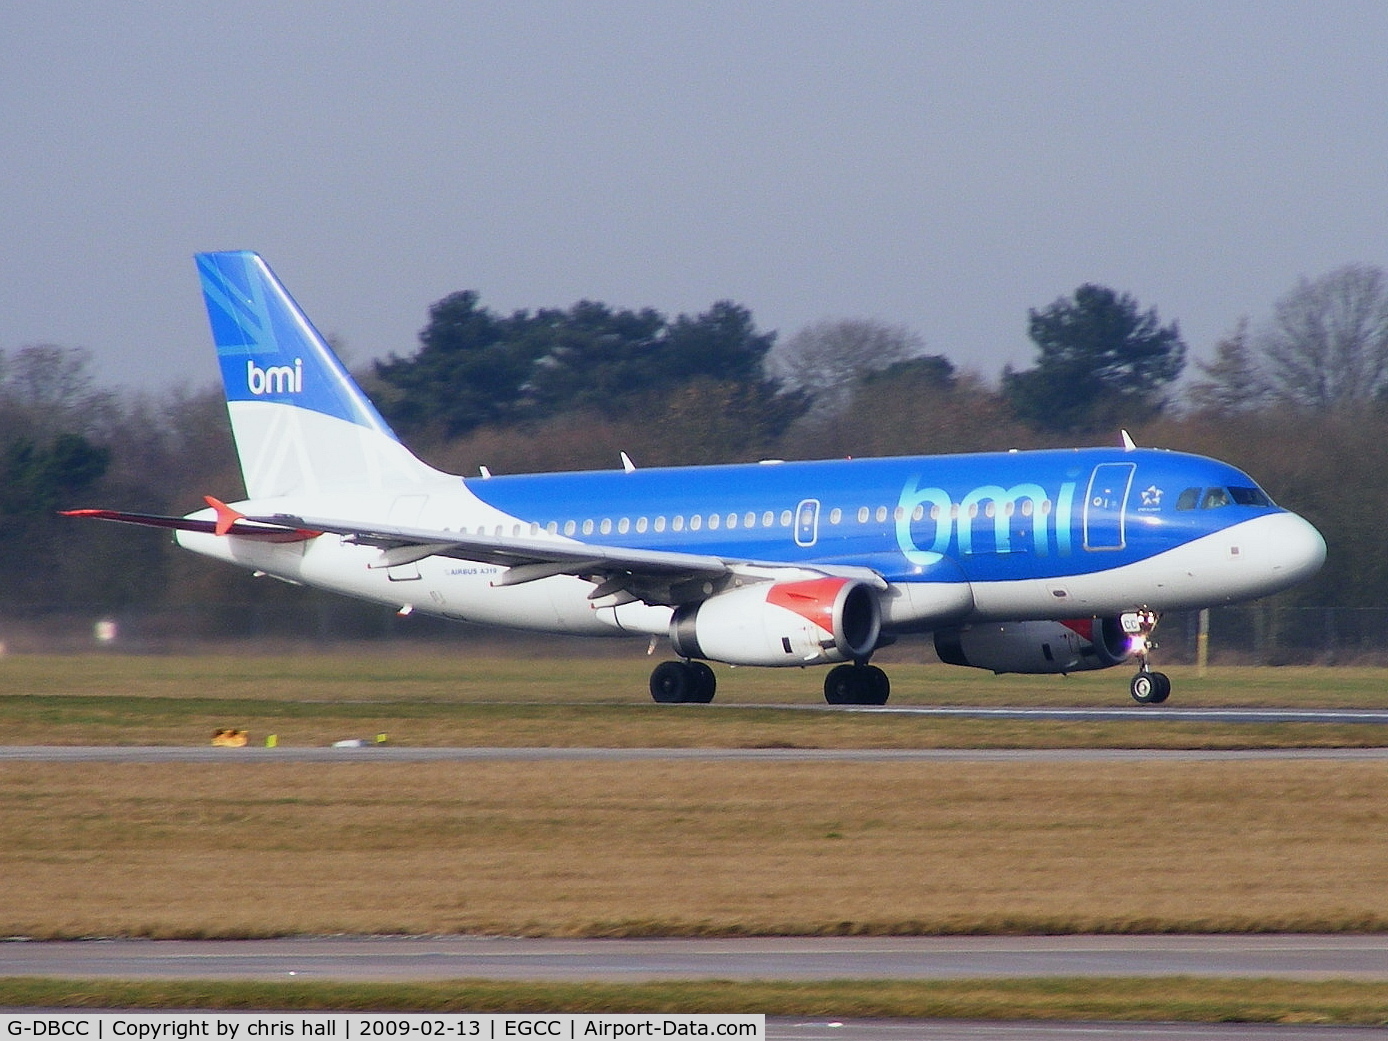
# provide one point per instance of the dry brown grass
(685, 848)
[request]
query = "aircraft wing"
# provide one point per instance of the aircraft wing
(623, 575)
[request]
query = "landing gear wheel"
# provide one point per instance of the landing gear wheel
(841, 685)
(879, 686)
(1150, 688)
(672, 682)
(1163, 687)
(705, 682)
(856, 685)
(683, 682)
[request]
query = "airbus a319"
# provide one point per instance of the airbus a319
(1018, 562)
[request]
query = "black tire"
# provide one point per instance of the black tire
(1146, 688)
(1163, 691)
(857, 685)
(842, 685)
(672, 682)
(879, 686)
(705, 682)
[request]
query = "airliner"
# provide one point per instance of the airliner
(1053, 561)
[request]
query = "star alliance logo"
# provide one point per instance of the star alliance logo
(1151, 497)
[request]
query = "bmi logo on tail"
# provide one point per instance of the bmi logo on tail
(277, 379)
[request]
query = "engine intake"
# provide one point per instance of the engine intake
(781, 623)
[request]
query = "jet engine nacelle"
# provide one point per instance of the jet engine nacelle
(1037, 647)
(781, 623)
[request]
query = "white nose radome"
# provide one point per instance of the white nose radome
(1294, 549)
(1267, 555)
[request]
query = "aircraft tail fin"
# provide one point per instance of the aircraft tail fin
(300, 421)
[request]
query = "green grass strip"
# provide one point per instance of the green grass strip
(1166, 999)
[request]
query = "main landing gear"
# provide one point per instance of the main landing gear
(675, 682)
(857, 684)
(693, 682)
(1147, 687)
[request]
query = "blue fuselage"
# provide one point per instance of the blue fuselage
(978, 518)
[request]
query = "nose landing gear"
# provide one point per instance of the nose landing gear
(1147, 687)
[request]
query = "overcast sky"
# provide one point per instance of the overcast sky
(945, 166)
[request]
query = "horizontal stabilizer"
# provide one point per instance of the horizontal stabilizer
(221, 526)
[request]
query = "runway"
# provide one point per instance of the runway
(1126, 714)
(397, 959)
(793, 958)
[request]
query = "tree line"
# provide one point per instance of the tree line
(1298, 398)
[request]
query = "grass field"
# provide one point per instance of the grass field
(677, 848)
(1118, 999)
(420, 700)
(425, 674)
(666, 848)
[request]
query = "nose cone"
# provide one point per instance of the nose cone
(1257, 557)
(1294, 548)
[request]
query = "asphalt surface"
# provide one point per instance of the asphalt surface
(793, 958)
(1128, 713)
(441, 958)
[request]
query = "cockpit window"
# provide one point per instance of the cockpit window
(1215, 498)
(1250, 496)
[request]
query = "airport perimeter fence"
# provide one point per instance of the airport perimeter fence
(1253, 634)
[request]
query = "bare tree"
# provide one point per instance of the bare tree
(46, 390)
(1233, 381)
(829, 356)
(1327, 344)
